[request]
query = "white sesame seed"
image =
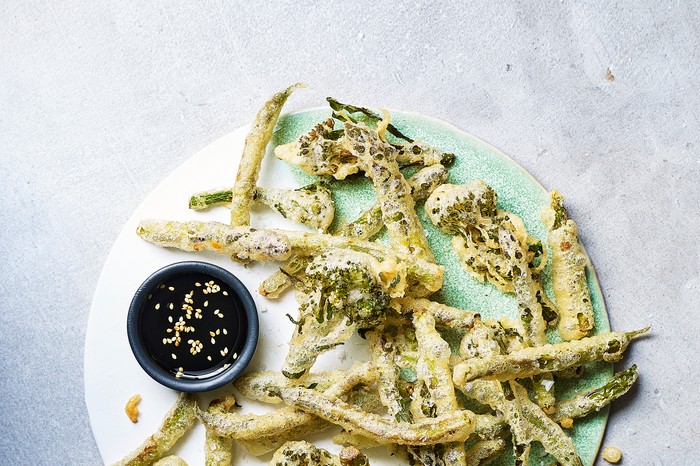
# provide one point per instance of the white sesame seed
(165, 341)
(157, 306)
(213, 341)
(170, 319)
(225, 332)
(171, 288)
(197, 284)
(171, 306)
(150, 295)
(161, 286)
(206, 303)
(217, 331)
(169, 330)
(209, 358)
(225, 293)
(235, 355)
(173, 355)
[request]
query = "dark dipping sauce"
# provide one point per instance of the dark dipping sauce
(193, 325)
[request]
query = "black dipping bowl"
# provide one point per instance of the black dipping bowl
(193, 326)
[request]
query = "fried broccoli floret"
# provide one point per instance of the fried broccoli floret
(346, 282)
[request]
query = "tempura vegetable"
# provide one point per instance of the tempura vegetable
(537, 426)
(260, 434)
(527, 362)
(569, 262)
(253, 152)
(454, 427)
(240, 243)
(302, 453)
(246, 243)
(530, 309)
(470, 212)
(171, 460)
(370, 222)
(323, 151)
(485, 450)
(393, 191)
(217, 449)
(597, 398)
(178, 421)
(310, 205)
(343, 290)
(434, 369)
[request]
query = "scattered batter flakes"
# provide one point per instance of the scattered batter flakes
(612, 454)
(131, 409)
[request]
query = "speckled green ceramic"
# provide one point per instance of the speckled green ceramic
(518, 192)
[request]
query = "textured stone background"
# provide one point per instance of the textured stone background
(100, 100)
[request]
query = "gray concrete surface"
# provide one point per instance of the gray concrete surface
(100, 100)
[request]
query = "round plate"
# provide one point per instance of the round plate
(112, 375)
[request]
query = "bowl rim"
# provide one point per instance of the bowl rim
(152, 368)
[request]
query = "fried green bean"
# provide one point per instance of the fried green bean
(594, 400)
(530, 309)
(434, 369)
(445, 316)
(543, 429)
(256, 384)
(455, 427)
(485, 450)
(241, 243)
(406, 233)
(548, 358)
(171, 460)
(302, 453)
(322, 152)
(310, 205)
(358, 396)
(245, 243)
(253, 152)
(370, 222)
(382, 348)
(279, 281)
(375, 117)
(217, 449)
(569, 262)
(286, 422)
(178, 421)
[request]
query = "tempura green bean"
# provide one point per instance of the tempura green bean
(569, 262)
(253, 152)
(393, 191)
(178, 421)
(455, 427)
(548, 358)
(217, 449)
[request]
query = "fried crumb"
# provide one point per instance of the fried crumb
(567, 423)
(612, 454)
(131, 409)
(608, 74)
